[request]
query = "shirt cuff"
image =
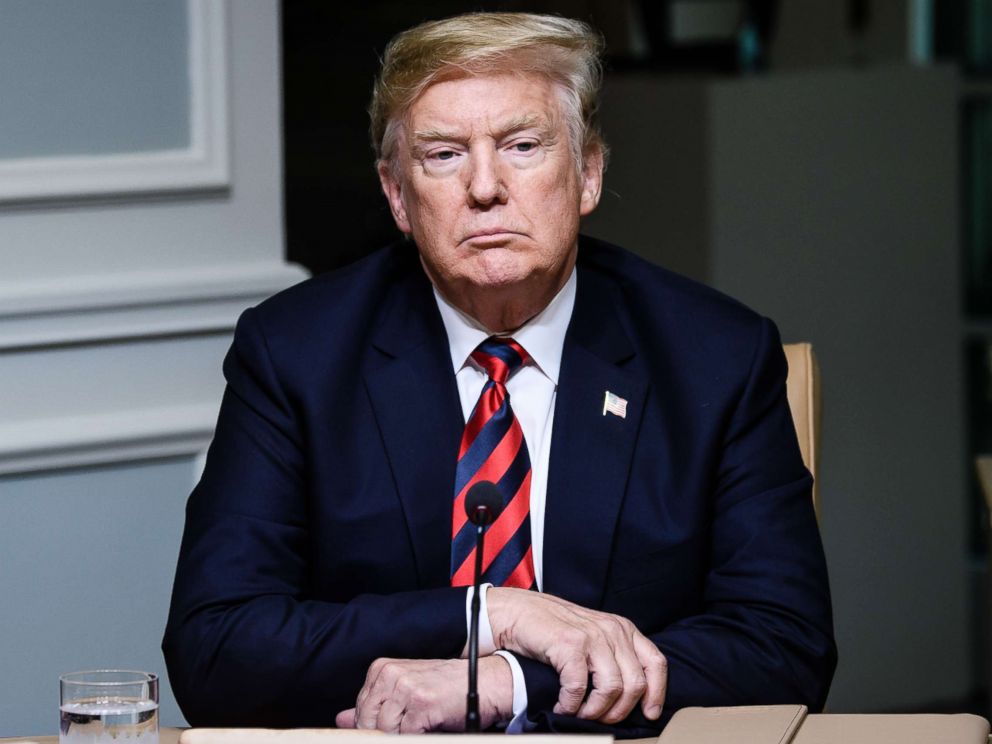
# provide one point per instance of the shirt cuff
(519, 723)
(486, 643)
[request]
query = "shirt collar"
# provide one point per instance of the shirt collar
(543, 336)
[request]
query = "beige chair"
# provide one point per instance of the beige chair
(803, 389)
(984, 465)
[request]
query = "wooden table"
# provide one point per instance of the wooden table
(166, 735)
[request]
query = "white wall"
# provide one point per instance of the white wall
(123, 267)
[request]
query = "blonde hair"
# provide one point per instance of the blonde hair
(565, 51)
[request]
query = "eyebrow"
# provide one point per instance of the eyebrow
(514, 124)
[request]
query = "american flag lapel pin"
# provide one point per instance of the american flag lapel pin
(614, 404)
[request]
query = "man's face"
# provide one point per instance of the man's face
(488, 188)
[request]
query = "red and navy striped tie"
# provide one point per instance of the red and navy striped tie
(493, 449)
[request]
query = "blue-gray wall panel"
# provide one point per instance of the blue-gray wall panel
(86, 565)
(94, 77)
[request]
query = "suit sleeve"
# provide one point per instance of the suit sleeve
(765, 634)
(246, 644)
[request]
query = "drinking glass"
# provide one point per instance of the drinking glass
(104, 706)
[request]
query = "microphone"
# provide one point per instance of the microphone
(483, 503)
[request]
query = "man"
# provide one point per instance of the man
(654, 492)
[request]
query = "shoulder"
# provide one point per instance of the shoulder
(336, 304)
(348, 288)
(661, 306)
(706, 352)
(321, 328)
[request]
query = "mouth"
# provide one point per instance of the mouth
(491, 236)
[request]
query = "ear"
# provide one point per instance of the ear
(592, 179)
(393, 190)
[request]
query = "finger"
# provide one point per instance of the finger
(377, 688)
(633, 683)
(414, 722)
(391, 716)
(367, 716)
(573, 676)
(345, 719)
(371, 677)
(655, 675)
(607, 682)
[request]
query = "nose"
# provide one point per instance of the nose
(485, 182)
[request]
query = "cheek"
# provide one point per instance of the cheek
(561, 193)
(563, 214)
(432, 212)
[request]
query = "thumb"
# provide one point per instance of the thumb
(345, 719)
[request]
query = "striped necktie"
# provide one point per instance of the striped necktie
(493, 449)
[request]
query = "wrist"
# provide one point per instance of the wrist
(495, 690)
(496, 605)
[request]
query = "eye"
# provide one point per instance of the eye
(441, 160)
(524, 146)
(441, 154)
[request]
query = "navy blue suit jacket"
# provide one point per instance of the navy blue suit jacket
(318, 538)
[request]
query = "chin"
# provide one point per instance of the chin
(499, 279)
(502, 270)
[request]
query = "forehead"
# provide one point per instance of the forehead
(487, 100)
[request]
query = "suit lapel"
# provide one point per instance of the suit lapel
(590, 452)
(415, 400)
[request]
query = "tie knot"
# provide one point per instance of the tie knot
(500, 357)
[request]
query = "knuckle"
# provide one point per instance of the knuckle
(610, 686)
(620, 622)
(374, 669)
(387, 673)
(613, 622)
(612, 690)
(406, 688)
(574, 691)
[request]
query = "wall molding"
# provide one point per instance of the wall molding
(135, 306)
(114, 307)
(203, 166)
(105, 438)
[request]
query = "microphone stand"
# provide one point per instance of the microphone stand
(482, 518)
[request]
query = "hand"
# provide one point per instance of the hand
(625, 666)
(417, 695)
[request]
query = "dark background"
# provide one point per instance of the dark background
(331, 55)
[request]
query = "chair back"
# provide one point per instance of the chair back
(803, 389)
(984, 465)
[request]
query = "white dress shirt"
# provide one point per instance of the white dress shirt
(532, 390)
